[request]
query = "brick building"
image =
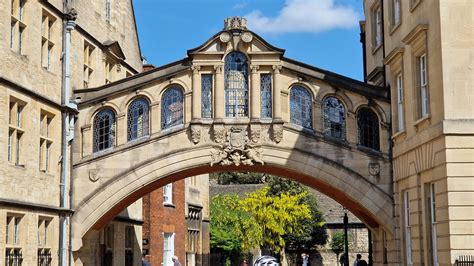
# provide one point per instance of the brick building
(176, 221)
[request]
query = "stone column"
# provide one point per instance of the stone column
(196, 96)
(277, 92)
(254, 94)
(219, 93)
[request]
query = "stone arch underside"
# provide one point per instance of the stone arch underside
(366, 200)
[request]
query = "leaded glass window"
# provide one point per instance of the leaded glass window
(138, 119)
(236, 85)
(266, 95)
(334, 118)
(368, 125)
(104, 130)
(301, 107)
(206, 96)
(172, 108)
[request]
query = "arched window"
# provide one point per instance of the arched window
(104, 130)
(172, 107)
(334, 118)
(236, 85)
(368, 125)
(138, 119)
(301, 107)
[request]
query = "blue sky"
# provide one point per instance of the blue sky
(323, 33)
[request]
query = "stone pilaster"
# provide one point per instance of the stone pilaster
(219, 93)
(276, 92)
(255, 94)
(196, 96)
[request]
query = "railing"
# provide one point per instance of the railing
(464, 260)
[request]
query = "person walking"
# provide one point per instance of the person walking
(358, 258)
(305, 258)
(176, 261)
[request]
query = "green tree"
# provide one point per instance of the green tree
(232, 229)
(227, 178)
(313, 229)
(276, 216)
(337, 242)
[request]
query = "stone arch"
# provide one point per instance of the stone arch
(340, 95)
(365, 199)
(313, 89)
(131, 97)
(93, 111)
(374, 107)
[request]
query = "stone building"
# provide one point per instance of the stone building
(422, 50)
(48, 49)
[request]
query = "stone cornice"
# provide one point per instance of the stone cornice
(415, 33)
(394, 55)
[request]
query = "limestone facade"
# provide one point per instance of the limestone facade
(426, 50)
(196, 131)
(32, 101)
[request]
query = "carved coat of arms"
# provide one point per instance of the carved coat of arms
(237, 150)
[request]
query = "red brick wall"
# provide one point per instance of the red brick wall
(159, 219)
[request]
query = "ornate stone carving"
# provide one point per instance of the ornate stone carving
(219, 134)
(94, 175)
(237, 150)
(277, 133)
(255, 135)
(235, 23)
(374, 169)
(195, 133)
(247, 37)
(224, 37)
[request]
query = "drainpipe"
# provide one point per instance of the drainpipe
(67, 136)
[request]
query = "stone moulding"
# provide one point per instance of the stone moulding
(236, 150)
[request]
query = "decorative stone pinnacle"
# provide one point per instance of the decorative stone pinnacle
(235, 23)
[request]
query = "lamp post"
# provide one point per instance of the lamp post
(346, 241)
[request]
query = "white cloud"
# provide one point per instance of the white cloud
(304, 16)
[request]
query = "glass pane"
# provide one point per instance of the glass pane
(172, 108)
(236, 85)
(334, 119)
(104, 130)
(301, 107)
(266, 95)
(138, 119)
(206, 96)
(368, 125)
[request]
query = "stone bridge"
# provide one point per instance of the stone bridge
(234, 103)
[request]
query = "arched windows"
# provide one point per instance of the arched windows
(104, 130)
(300, 107)
(172, 107)
(236, 85)
(368, 128)
(334, 118)
(138, 119)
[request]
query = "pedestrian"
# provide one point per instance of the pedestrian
(342, 259)
(362, 263)
(176, 261)
(358, 258)
(145, 262)
(305, 258)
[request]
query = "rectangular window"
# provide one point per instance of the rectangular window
(377, 26)
(15, 130)
(168, 249)
(400, 107)
(266, 95)
(407, 229)
(433, 224)
(129, 236)
(168, 194)
(107, 245)
(88, 70)
(206, 96)
(13, 229)
(47, 43)
(18, 26)
(45, 141)
(395, 12)
(43, 237)
(10, 145)
(423, 86)
(109, 67)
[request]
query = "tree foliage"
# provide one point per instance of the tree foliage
(276, 215)
(228, 178)
(313, 228)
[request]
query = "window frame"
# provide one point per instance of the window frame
(304, 119)
(394, 23)
(331, 126)
(207, 93)
(375, 131)
(407, 228)
(423, 87)
(236, 98)
(400, 102)
(266, 96)
(177, 116)
(145, 123)
(377, 26)
(168, 194)
(111, 132)
(168, 246)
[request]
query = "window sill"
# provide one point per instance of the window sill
(374, 50)
(399, 134)
(422, 121)
(395, 27)
(169, 205)
(369, 150)
(19, 166)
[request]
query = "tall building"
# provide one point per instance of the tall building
(48, 49)
(422, 50)
(176, 222)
